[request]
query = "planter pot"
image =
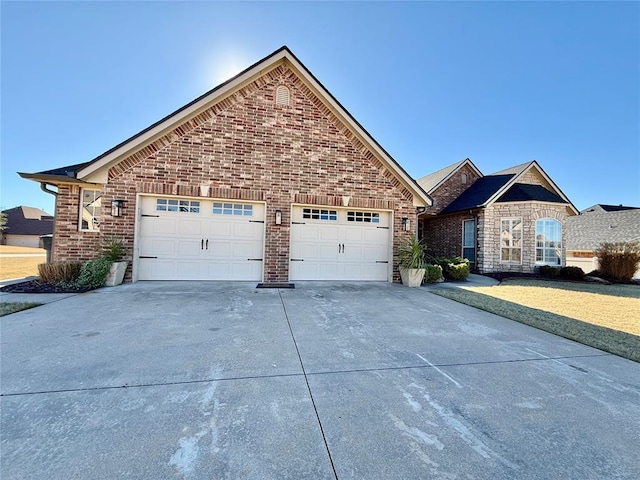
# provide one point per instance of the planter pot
(412, 277)
(116, 274)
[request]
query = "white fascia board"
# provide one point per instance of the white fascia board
(178, 119)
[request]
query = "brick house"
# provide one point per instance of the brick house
(510, 221)
(25, 227)
(264, 178)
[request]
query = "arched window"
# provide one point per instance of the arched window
(283, 96)
(548, 242)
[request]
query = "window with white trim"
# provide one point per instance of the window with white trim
(236, 209)
(173, 205)
(366, 217)
(320, 214)
(469, 240)
(90, 210)
(511, 240)
(548, 242)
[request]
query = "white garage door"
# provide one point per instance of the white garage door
(339, 244)
(195, 239)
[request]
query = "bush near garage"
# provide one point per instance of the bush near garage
(59, 272)
(618, 261)
(434, 274)
(454, 268)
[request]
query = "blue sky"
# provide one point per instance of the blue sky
(434, 82)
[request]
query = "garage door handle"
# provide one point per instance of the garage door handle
(207, 244)
(154, 216)
(382, 261)
(254, 259)
(202, 244)
(297, 259)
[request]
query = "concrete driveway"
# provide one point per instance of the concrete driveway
(160, 380)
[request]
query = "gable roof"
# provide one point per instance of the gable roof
(503, 186)
(432, 181)
(96, 169)
(588, 231)
(28, 221)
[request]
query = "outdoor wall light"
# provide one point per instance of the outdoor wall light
(116, 208)
(406, 224)
(278, 217)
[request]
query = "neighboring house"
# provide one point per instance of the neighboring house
(265, 178)
(25, 226)
(511, 221)
(596, 225)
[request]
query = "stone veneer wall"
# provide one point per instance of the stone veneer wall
(489, 234)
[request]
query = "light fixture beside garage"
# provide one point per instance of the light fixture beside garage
(406, 224)
(278, 217)
(116, 208)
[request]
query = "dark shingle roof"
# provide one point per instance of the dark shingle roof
(478, 193)
(587, 231)
(607, 208)
(28, 221)
(523, 192)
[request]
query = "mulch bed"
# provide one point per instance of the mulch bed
(35, 286)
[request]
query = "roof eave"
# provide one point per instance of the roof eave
(53, 179)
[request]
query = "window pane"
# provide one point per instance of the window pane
(504, 255)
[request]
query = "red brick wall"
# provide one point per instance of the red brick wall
(245, 147)
(443, 235)
(68, 242)
(452, 189)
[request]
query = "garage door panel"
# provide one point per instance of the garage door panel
(339, 249)
(179, 240)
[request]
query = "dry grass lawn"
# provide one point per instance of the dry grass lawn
(20, 267)
(612, 306)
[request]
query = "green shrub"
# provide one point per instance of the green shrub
(59, 272)
(434, 274)
(411, 253)
(548, 271)
(454, 268)
(572, 273)
(458, 271)
(114, 249)
(94, 273)
(618, 261)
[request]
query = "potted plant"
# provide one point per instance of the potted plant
(412, 262)
(114, 251)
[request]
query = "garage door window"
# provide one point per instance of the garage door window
(167, 205)
(319, 214)
(238, 209)
(366, 217)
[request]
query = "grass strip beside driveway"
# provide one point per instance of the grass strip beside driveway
(612, 341)
(13, 307)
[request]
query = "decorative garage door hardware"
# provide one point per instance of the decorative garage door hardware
(187, 239)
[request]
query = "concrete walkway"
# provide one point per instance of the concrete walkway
(206, 380)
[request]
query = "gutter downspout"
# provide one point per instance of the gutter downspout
(43, 187)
